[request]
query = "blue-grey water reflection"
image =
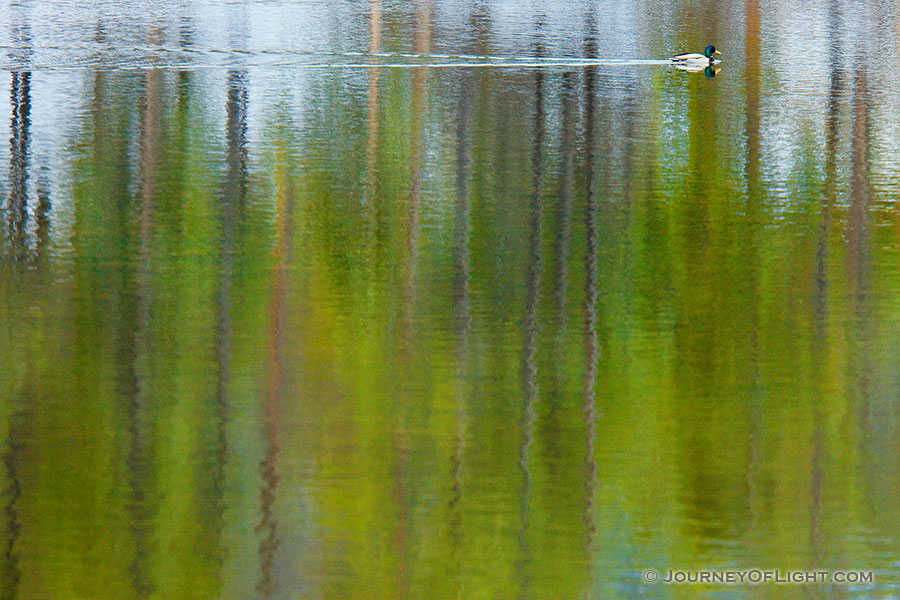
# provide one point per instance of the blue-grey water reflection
(460, 299)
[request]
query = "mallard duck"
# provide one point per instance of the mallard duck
(695, 61)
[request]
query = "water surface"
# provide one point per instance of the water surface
(287, 311)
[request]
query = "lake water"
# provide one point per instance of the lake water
(447, 299)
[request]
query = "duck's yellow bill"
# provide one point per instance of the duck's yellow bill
(717, 52)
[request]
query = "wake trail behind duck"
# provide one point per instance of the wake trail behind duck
(155, 57)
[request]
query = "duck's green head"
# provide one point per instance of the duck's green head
(710, 50)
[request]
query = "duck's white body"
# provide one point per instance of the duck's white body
(692, 59)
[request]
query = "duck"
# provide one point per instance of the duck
(694, 61)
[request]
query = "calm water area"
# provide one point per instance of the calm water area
(447, 299)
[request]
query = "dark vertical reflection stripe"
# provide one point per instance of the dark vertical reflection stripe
(42, 217)
(591, 345)
(10, 571)
(750, 249)
(17, 204)
(832, 120)
(416, 168)
(139, 454)
(463, 317)
(859, 187)
(531, 325)
(818, 480)
(371, 205)
(20, 129)
(233, 197)
(863, 324)
(564, 205)
(232, 203)
(275, 390)
(858, 244)
(556, 419)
